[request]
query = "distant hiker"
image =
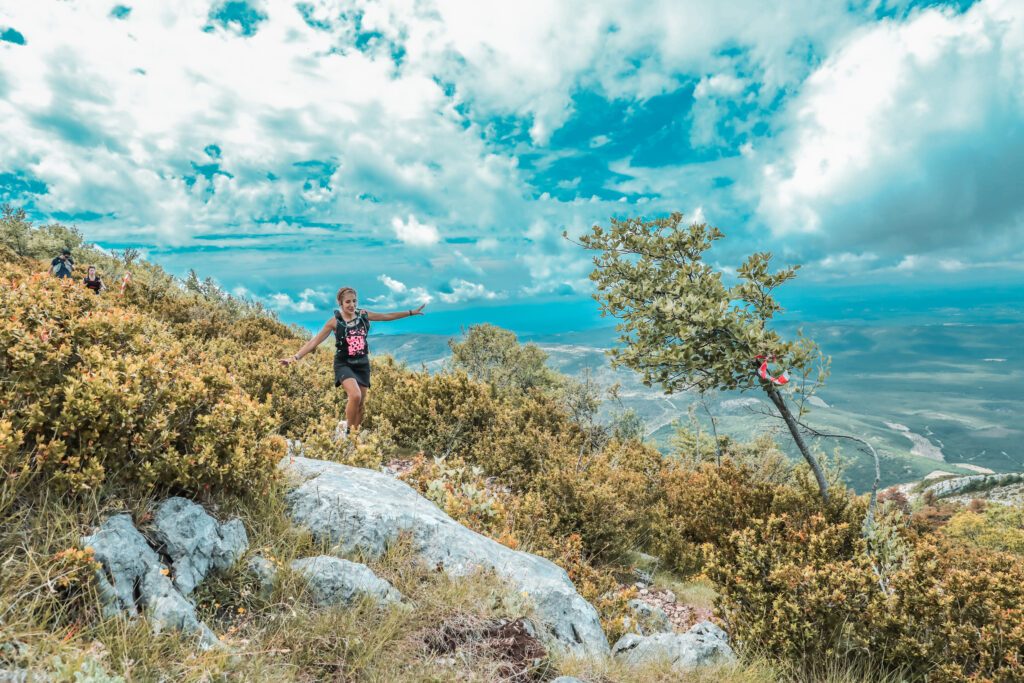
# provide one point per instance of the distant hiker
(125, 281)
(63, 264)
(93, 281)
(352, 355)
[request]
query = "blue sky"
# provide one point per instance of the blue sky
(433, 151)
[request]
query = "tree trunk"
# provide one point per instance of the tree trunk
(794, 430)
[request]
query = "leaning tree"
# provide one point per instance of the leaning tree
(682, 328)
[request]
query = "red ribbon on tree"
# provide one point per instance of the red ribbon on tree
(762, 372)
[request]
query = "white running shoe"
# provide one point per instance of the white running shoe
(341, 432)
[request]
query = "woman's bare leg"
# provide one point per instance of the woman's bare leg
(353, 407)
(362, 405)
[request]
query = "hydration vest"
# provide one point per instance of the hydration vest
(350, 337)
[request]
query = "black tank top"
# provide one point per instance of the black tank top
(350, 339)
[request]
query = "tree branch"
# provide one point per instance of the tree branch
(817, 433)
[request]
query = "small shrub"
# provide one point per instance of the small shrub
(993, 527)
(792, 587)
(442, 415)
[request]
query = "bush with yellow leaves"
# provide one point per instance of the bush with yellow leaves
(96, 393)
(993, 527)
(950, 613)
(443, 415)
(803, 588)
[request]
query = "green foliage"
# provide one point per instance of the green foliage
(18, 233)
(682, 327)
(791, 585)
(442, 415)
(494, 356)
(93, 393)
(996, 527)
(803, 588)
(951, 613)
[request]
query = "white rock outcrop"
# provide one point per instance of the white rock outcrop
(704, 644)
(196, 542)
(362, 511)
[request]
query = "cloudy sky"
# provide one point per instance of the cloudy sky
(434, 150)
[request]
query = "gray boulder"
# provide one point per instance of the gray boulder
(702, 645)
(649, 619)
(265, 572)
(567, 679)
(196, 542)
(128, 563)
(363, 511)
(333, 581)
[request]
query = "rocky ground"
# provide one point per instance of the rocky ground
(680, 615)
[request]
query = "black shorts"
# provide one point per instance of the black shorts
(344, 371)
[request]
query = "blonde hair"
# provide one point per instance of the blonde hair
(343, 291)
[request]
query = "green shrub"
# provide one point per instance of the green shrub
(996, 527)
(604, 497)
(804, 590)
(792, 587)
(95, 393)
(494, 356)
(442, 415)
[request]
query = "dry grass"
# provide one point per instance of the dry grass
(698, 592)
(49, 627)
(57, 629)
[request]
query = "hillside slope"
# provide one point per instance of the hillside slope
(111, 405)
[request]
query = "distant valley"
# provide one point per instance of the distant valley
(942, 396)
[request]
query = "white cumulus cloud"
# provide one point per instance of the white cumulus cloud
(464, 290)
(909, 138)
(399, 294)
(414, 233)
(307, 301)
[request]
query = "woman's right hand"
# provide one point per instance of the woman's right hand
(288, 361)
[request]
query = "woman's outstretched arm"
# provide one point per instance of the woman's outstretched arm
(324, 332)
(396, 315)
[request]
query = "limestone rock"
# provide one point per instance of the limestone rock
(702, 645)
(265, 573)
(649, 618)
(567, 679)
(128, 563)
(362, 510)
(957, 485)
(333, 581)
(196, 542)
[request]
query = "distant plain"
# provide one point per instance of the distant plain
(928, 395)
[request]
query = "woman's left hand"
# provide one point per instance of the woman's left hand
(417, 311)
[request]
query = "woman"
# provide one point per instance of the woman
(352, 356)
(93, 281)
